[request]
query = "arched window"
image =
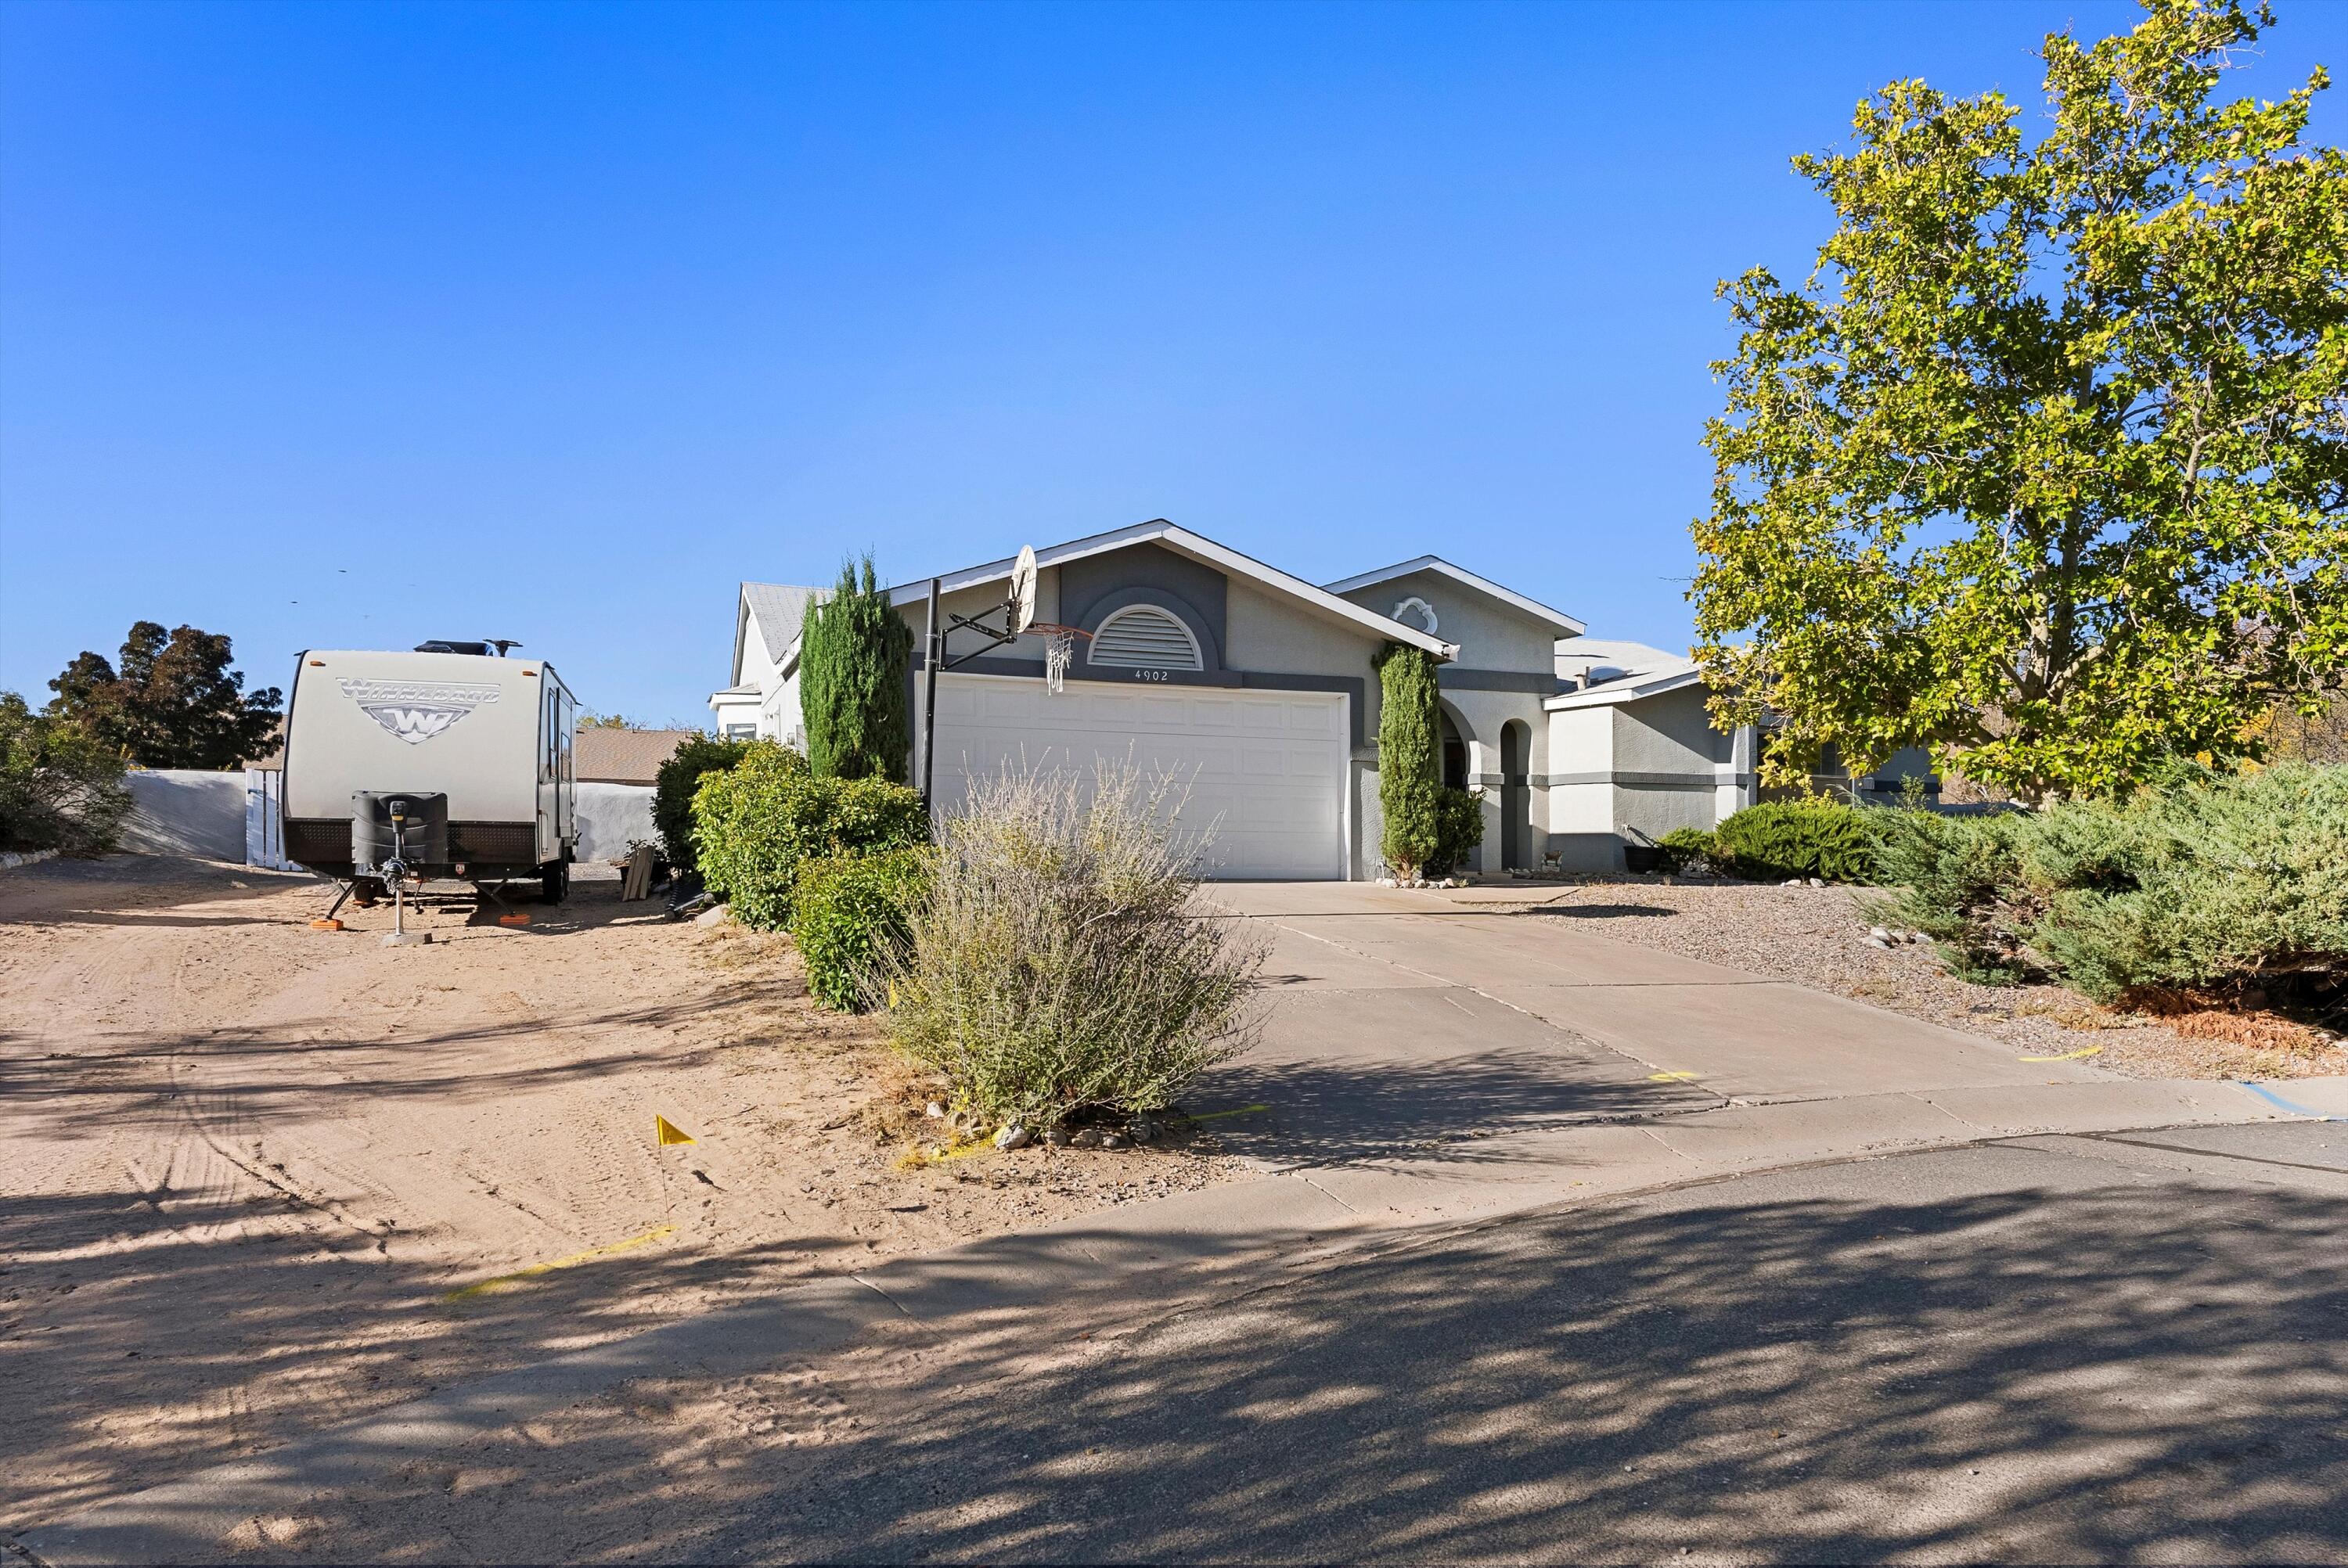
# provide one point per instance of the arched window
(1144, 637)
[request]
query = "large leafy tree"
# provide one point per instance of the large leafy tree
(855, 651)
(170, 701)
(2046, 466)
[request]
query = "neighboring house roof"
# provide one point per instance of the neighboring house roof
(1484, 585)
(601, 755)
(1199, 547)
(1620, 672)
(778, 611)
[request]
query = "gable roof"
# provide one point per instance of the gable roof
(602, 755)
(777, 609)
(1199, 547)
(1621, 673)
(1483, 585)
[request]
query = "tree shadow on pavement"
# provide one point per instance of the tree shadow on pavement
(1943, 1359)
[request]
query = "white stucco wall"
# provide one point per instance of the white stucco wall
(186, 811)
(611, 817)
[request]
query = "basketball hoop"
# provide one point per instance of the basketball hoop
(1059, 648)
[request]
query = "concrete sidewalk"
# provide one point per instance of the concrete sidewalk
(1156, 1249)
(1398, 1015)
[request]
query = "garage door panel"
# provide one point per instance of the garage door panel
(1267, 770)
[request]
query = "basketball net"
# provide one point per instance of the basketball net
(1059, 648)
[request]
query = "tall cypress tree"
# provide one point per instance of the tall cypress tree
(855, 651)
(1410, 758)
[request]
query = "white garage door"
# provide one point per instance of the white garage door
(1266, 768)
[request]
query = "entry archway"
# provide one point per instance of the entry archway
(1516, 795)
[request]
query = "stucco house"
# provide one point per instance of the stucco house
(763, 696)
(1255, 687)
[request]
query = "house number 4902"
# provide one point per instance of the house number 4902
(1150, 675)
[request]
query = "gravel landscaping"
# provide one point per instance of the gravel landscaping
(1816, 937)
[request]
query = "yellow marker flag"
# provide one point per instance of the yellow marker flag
(2067, 1056)
(668, 1132)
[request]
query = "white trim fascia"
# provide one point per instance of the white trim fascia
(743, 616)
(1630, 691)
(1461, 574)
(1199, 548)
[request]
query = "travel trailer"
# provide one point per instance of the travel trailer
(492, 734)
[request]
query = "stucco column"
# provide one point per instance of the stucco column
(1484, 771)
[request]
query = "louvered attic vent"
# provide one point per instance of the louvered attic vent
(1145, 638)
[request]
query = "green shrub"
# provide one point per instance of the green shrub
(758, 820)
(673, 790)
(854, 651)
(1459, 829)
(848, 917)
(1958, 879)
(1684, 846)
(1778, 839)
(2207, 882)
(60, 786)
(1410, 759)
(1060, 963)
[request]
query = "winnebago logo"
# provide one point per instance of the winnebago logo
(416, 711)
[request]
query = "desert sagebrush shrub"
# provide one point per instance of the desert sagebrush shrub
(850, 916)
(1778, 839)
(758, 821)
(1058, 962)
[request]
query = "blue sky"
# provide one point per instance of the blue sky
(334, 325)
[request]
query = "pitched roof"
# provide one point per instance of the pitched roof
(604, 756)
(779, 610)
(1199, 547)
(1484, 585)
(1615, 671)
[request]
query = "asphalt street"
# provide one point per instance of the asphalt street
(2115, 1347)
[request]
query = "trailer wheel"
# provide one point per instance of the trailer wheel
(554, 882)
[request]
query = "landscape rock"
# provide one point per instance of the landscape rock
(1881, 936)
(1090, 1138)
(715, 914)
(1012, 1137)
(935, 1111)
(1817, 882)
(1114, 1141)
(1058, 1137)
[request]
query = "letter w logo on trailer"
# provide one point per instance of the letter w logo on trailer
(416, 711)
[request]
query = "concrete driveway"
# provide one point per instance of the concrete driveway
(1399, 1016)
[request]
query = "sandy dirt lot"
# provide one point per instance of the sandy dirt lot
(256, 1178)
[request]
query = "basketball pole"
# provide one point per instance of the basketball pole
(933, 653)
